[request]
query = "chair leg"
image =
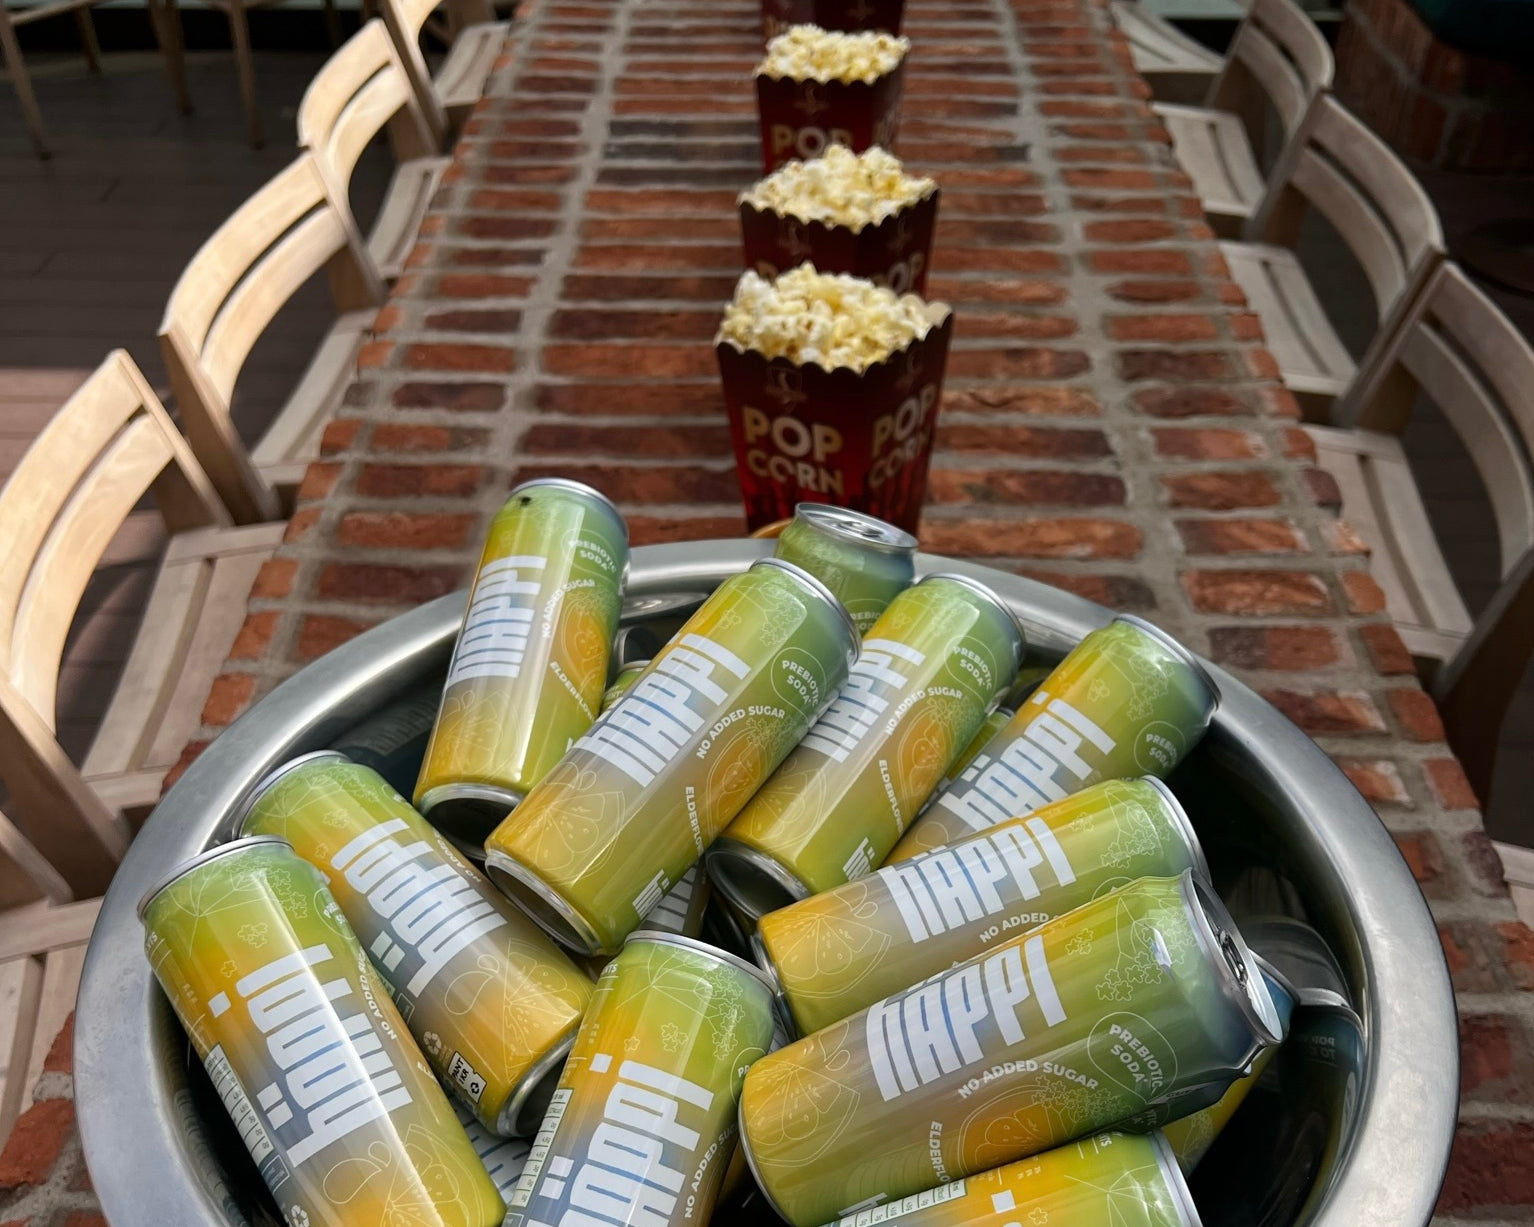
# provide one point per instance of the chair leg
(17, 68)
(246, 68)
(333, 24)
(165, 17)
(88, 41)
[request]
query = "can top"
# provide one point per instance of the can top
(660, 937)
(1166, 1160)
(1178, 650)
(1240, 978)
(818, 588)
(247, 803)
(1299, 952)
(1180, 816)
(185, 867)
(575, 487)
(857, 527)
(986, 593)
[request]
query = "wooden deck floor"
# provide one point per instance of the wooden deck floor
(91, 243)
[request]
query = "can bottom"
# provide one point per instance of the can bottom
(467, 811)
(528, 1102)
(548, 909)
(752, 880)
(1176, 1181)
(743, 1144)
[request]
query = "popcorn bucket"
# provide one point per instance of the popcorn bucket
(858, 439)
(894, 252)
(799, 119)
(852, 15)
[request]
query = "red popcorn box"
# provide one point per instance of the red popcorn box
(847, 15)
(799, 119)
(858, 439)
(893, 252)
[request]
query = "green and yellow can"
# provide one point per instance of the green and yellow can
(1090, 1019)
(492, 1001)
(1128, 701)
(623, 683)
(1111, 1180)
(330, 1095)
(637, 801)
(531, 661)
(863, 560)
(929, 670)
(839, 952)
(641, 1129)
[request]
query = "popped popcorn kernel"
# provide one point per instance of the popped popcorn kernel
(829, 319)
(840, 187)
(808, 53)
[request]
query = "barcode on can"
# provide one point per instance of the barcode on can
(875, 1215)
(540, 1149)
(241, 1111)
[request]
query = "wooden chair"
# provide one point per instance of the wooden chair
(1278, 59)
(233, 287)
(446, 98)
(167, 34)
(1177, 68)
(361, 90)
(1456, 348)
(109, 445)
(1381, 213)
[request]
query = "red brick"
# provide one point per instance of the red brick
(1038, 537)
(1496, 1063)
(1256, 592)
(490, 320)
(993, 260)
(1489, 1169)
(374, 354)
(1329, 712)
(1517, 950)
(61, 1053)
(1379, 779)
(1030, 362)
(1185, 402)
(1466, 949)
(723, 227)
(1040, 401)
(300, 522)
(85, 1218)
(568, 439)
(1122, 179)
(1206, 443)
(481, 285)
(635, 257)
(255, 636)
(1123, 592)
(319, 633)
(470, 359)
(1129, 230)
(1417, 714)
(461, 397)
(698, 287)
(340, 434)
(1481, 855)
(1155, 291)
(408, 437)
(638, 400)
(632, 483)
(36, 1141)
(1246, 535)
(587, 324)
(368, 582)
(419, 480)
(646, 530)
(227, 698)
(1322, 488)
(1016, 326)
(515, 199)
(1364, 596)
(1175, 364)
(275, 578)
(189, 755)
(1162, 261)
(1030, 487)
(1280, 648)
(319, 479)
(1018, 290)
(1342, 538)
(1161, 327)
(664, 361)
(1447, 779)
(628, 202)
(1221, 491)
(405, 530)
(1386, 649)
(1030, 442)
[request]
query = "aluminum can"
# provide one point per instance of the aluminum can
(493, 1003)
(1086, 1021)
(637, 801)
(989, 727)
(839, 952)
(1191, 1136)
(929, 670)
(640, 1131)
(1129, 700)
(531, 661)
(623, 683)
(863, 560)
(330, 1095)
(1110, 1180)
(502, 1158)
(393, 742)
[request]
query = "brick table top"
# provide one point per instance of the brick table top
(1112, 424)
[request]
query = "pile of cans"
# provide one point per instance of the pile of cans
(827, 801)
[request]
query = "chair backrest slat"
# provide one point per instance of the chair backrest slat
(1279, 49)
(405, 20)
(103, 450)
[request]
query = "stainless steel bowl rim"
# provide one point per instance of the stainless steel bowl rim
(1386, 1176)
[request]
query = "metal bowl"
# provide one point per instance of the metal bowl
(1263, 793)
